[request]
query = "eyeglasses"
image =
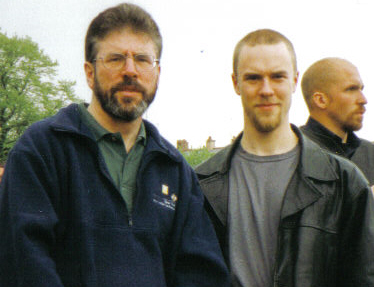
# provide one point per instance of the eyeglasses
(115, 62)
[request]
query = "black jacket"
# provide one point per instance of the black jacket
(362, 155)
(326, 233)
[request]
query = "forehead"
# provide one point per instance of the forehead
(349, 72)
(126, 40)
(265, 58)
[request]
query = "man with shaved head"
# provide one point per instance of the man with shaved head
(332, 89)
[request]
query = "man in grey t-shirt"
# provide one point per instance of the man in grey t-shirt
(286, 212)
(255, 202)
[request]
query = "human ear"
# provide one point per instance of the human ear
(89, 70)
(235, 83)
(295, 81)
(320, 100)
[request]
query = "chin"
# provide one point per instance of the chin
(353, 127)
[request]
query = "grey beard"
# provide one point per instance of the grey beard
(114, 109)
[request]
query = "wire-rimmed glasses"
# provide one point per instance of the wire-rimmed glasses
(142, 62)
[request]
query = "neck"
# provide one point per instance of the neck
(128, 130)
(278, 141)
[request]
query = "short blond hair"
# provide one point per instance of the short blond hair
(263, 37)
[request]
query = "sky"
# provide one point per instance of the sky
(196, 98)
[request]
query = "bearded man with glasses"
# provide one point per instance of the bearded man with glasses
(95, 196)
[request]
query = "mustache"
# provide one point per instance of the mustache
(128, 84)
(361, 109)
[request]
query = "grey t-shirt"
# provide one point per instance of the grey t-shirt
(257, 187)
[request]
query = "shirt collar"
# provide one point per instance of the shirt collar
(99, 132)
(142, 138)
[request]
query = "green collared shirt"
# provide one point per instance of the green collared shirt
(122, 166)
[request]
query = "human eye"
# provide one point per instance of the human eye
(143, 58)
(251, 77)
(279, 76)
(354, 88)
(114, 58)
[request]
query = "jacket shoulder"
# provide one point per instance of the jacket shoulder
(40, 134)
(367, 144)
(67, 117)
(156, 142)
(348, 172)
(217, 163)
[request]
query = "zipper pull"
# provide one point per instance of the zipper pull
(130, 221)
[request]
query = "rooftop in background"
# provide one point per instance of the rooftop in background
(210, 145)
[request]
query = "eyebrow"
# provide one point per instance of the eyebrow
(282, 72)
(251, 75)
(259, 74)
(355, 86)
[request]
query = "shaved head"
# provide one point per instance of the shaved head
(321, 76)
(333, 92)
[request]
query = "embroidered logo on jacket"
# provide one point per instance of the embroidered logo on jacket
(165, 189)
(164, 199)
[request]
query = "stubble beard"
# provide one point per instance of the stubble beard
(265, 123)
(352, 125)
(127, 111)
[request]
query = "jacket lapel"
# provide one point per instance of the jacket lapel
(214, 179)
(314, 166)
(299, 195)
(216, 193)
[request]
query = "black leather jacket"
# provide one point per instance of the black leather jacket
(362, 155)
(326, 233)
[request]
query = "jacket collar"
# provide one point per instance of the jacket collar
(221, 162)
(332, 142)
(305, 186)
(68, 120)
(313, 163)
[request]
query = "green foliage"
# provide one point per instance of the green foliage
(29, 90)
(196, 156)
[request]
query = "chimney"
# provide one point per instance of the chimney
(210, 143)
(182, 145)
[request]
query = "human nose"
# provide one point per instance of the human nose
(266, 87)
(129, 67)
(362, 99)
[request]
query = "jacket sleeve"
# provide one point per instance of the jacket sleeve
(199, 260)
(357, 241)
(27, 223)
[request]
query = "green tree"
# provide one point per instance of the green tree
(29, 90)
(196, 156)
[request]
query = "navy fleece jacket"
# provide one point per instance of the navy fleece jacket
(64, 223)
